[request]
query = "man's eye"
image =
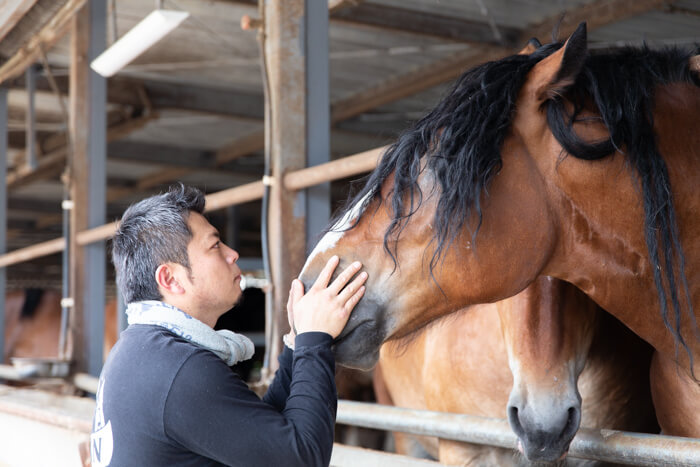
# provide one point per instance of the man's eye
(216, 245)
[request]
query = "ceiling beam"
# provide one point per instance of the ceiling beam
(11, 11)
(596, 14)
(413, 21)
(31, 49)
(53, 163)
(33, 205)
(427, 23)
(161, 95)
(152, 153)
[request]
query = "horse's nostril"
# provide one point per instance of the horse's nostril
(572, 422)
(514, 420)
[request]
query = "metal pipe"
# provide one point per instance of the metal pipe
(66, 206)
(265, 208)
(30, 119)
(604, 445)
(3, 212)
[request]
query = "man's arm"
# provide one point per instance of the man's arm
(211, 411)
(278, 392)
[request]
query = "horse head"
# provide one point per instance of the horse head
(548, 329)
(530, 166)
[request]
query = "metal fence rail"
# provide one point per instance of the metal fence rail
(603, 445)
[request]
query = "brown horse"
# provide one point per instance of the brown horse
(560, 163)
(33, 324)
(522, 356)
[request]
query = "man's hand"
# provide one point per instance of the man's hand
(326, 308)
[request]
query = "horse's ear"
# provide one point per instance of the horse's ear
(532, 45)
(553, 75)
(695, 63)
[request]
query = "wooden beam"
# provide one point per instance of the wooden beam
(597, 14)
(240, 147)
(11, 11)
(152, 153)
(33, 205)
(35, 251)
(337, 5)
(417, 22)
(212, 100)
(286, 135)
(45, 39)
(340, 168)
(413, 81)
(427, 23)
(125, 92)
(87, 178)
(52, 164)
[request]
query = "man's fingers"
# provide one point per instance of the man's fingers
(352, 287)
(326, 273)
(350, 304)
(296, 292)
(344, 277)
(289, 300)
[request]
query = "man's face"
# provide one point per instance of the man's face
(214, 282)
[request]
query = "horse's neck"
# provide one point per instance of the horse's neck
(602, 249)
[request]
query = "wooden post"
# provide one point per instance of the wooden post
(87, 187)
(285, 128)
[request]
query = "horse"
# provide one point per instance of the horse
(33, 323)
(540, 373)
(561, 163)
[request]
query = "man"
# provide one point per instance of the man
(167, 395)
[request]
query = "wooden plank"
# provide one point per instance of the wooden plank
(45, 39)
(11, 11)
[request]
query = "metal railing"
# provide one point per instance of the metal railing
(603, 445)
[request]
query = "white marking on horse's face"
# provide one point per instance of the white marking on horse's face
(336, 232)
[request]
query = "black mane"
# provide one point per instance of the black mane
(461, 140)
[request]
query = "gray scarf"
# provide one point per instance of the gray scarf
(227, 345)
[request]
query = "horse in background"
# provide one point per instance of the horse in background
(559, 163)
(548, 358)
(33, 324)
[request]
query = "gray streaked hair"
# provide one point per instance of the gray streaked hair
(152, 232)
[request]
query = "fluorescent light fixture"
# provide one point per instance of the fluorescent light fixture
(150, 30)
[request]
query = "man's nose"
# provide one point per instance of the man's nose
(231, 254)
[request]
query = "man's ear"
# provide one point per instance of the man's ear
(167, 281)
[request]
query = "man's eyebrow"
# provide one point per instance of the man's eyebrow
(214, 233)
